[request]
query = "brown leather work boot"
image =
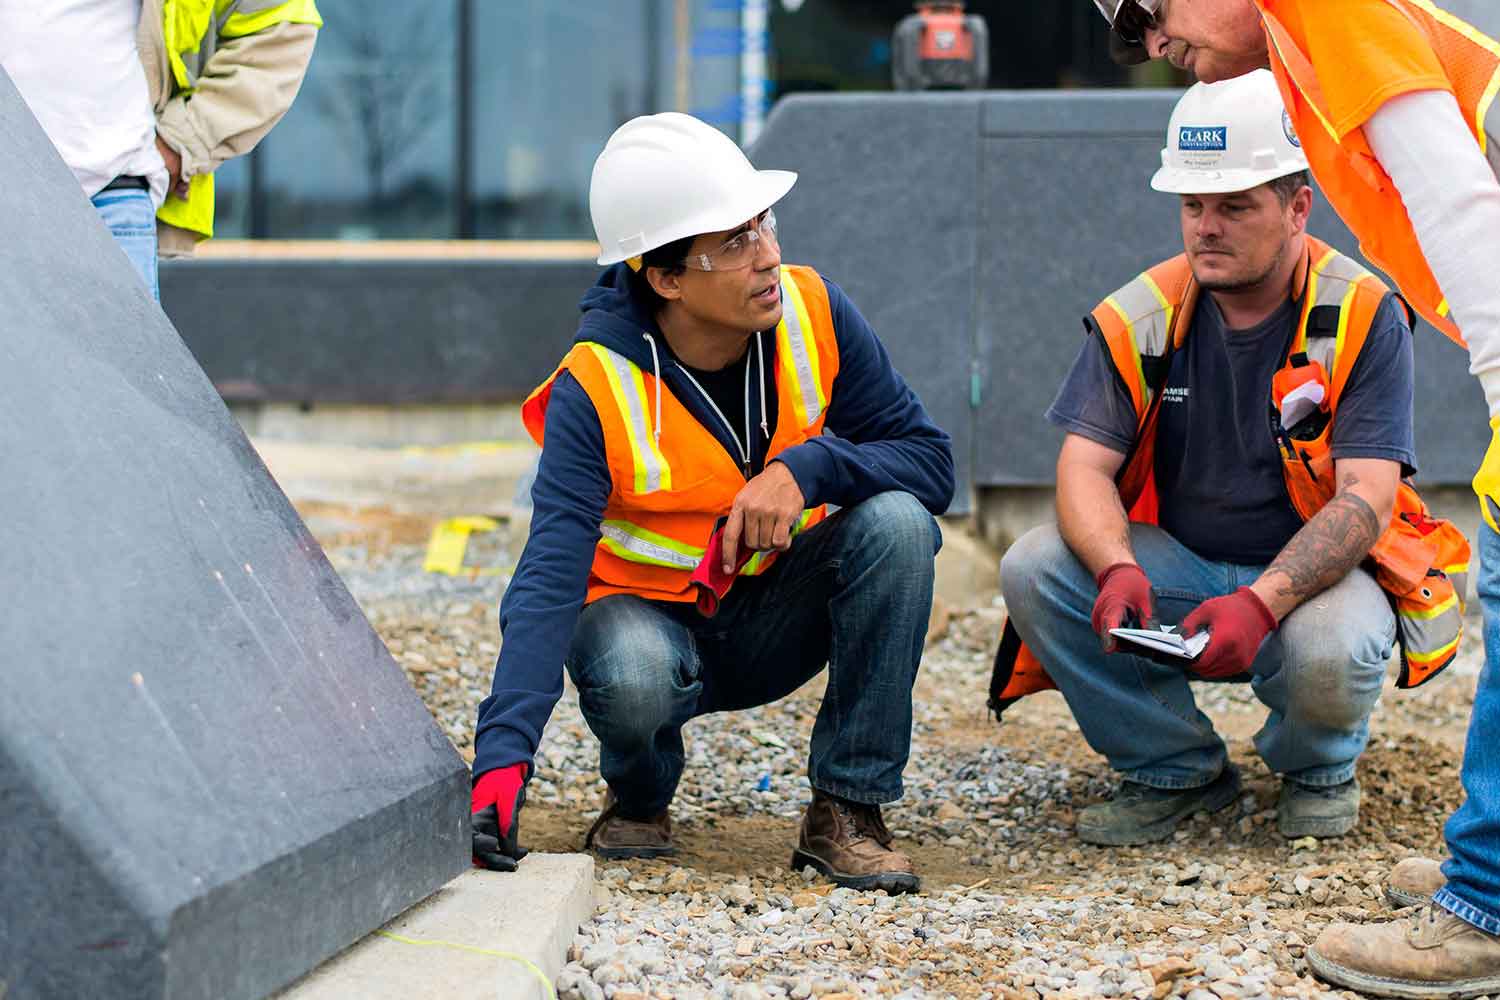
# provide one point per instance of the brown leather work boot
(848, 842)
(1414, 881)
(1434, 954)
(614, 837)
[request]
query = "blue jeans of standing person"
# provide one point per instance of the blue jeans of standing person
(131, 218)
(1473, 833)
(1319, 673)
(854, 593)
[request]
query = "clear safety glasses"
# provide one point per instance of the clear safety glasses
(738, 252)
(1131, 18)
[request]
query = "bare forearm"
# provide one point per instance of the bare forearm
(1333, 542)
(1091, 519)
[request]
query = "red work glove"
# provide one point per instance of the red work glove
(1124, 595)
(1237, 624)
(494, 815)
(710, 578)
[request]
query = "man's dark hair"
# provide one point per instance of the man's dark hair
(1286, 188)
(669, 258)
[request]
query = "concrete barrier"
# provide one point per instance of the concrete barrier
(213, 775)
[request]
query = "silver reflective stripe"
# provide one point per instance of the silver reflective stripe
(635, 408)
(1334, 279)
(1147, 319)
(1492, 144)
(800, 360)
(1428, 635)
(648, 551)
(1460, 583)
(1338, 273)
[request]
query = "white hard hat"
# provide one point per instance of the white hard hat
(1229, 136)
(664, 177)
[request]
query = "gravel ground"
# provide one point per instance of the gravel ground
(1013, 905)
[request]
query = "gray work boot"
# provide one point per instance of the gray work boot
(1414, 881)
(1317, 811)
(1139, 814)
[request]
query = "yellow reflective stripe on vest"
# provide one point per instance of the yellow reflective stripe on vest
(634, 543)
(628, 383)
(1338, 340)
(1426, 657)
(1334, 280)
(1140, 373)
(245, 17)
(799, 357)
(757, 563)
(1161, 299)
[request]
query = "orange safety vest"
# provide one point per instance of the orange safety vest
(671, 481)
(1375, 51)
(1421, 562)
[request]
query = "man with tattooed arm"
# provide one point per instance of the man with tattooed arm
(1238, 423)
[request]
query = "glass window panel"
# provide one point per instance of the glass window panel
(367, 151)
(232, 199)
(551, 82)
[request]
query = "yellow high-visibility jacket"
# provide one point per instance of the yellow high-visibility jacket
(221, 74)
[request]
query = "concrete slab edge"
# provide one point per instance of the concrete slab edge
(483, 936)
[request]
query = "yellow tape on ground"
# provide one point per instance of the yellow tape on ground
(449, 542)
(455, 946)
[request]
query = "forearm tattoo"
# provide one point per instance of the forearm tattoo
(1332, 543)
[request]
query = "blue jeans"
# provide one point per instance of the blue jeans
(1473, 833)
(131, 218)
(1319, 673)
(854, 592)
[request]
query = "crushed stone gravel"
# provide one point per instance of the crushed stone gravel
(1013, 905)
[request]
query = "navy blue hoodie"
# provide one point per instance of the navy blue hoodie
(881, 439)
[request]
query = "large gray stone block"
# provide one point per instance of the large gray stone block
(212, 774)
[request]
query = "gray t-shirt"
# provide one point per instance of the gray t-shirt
(1218, 467)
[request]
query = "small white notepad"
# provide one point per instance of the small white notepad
(1164, 640)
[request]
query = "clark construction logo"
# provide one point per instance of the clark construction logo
(1203, 139)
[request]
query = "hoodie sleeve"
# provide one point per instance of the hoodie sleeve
(882, 438)
(540, 609)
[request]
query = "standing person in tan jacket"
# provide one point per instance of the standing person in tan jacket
(164, 92)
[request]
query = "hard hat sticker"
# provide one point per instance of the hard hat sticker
(1291, 132)
(1198, 138)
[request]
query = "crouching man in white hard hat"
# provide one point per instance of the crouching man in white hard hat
(1237, 427)
(683, 559)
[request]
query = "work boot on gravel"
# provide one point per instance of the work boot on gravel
(1317, 811)
(1433, 954)
(1414, 881)
(1140, 814)
(614, 837)
(849, 843)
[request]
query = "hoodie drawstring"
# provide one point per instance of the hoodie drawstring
(760, 355)
(748, 446)
(656, 375)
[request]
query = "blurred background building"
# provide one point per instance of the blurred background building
(481, 118)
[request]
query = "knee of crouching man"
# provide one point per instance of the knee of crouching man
(1024, 563)
(900, 522)
(1336, 688)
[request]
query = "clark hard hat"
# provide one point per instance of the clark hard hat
(665, 177)
(1229, 136)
